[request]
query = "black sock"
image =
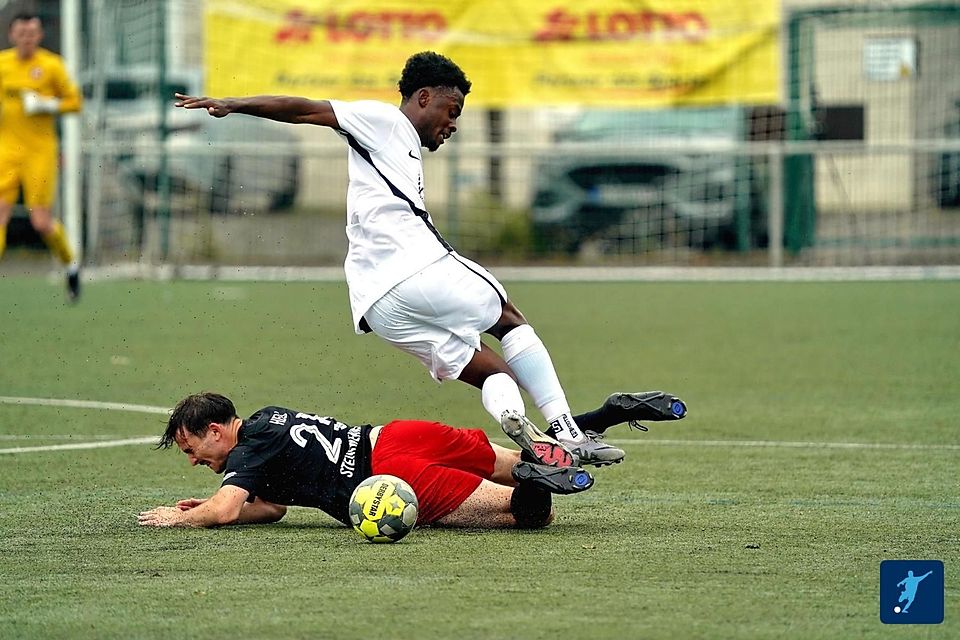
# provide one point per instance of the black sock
(596, 420)
(531, 506)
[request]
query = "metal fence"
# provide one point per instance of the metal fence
(859, 166)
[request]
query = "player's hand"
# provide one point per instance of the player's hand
(34, 103)
(190, 503)
(160, 517)
(215, 107)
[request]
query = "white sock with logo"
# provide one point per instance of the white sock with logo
(528, 358)
(500, 393)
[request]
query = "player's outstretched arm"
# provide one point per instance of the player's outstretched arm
(261, 512)
(222, 508)
(280, 108)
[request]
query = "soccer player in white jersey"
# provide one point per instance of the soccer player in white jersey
(409, 286)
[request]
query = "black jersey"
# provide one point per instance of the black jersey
(292, 458)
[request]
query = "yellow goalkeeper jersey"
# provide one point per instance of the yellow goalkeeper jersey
(45, 74)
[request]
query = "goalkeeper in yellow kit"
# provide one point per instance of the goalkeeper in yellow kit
(34, 89)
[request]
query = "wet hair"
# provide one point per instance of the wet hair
(429, 69)
(23, 17)
(195, 413)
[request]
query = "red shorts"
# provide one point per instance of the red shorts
(444, 465)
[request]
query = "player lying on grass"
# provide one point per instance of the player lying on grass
(406, 283)
(279, 457)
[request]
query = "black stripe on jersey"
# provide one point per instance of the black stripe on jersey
(420, 213)
(483, 277)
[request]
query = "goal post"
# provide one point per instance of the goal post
(70, 140)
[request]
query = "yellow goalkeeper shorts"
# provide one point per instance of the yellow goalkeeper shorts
(35, 170)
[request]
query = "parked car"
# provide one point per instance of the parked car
(591, 181)
(201, 159)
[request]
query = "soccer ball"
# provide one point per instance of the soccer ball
(383, 508)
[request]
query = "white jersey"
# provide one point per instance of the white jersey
(391, 236)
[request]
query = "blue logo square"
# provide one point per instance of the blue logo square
(911, 592)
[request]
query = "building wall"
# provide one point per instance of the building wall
(917, 105)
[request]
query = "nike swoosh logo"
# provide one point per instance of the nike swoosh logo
(229, 475)
(410, 153)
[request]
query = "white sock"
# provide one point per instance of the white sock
(528, 358)
(500, 393)
(563, 427)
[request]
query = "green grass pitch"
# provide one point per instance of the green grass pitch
(700, 533)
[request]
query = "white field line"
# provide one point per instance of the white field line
(894, 446)
(82, 445)
(783, 444)
(72, 437)
(84, 404)
(140, 408)
(684, 443)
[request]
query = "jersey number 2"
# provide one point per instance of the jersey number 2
(332, 449)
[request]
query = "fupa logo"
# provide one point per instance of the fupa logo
(911, 592)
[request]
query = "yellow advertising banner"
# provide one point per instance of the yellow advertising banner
(519, 53)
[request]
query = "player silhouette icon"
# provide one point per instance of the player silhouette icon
(909, 585)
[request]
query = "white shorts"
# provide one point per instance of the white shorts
(438, 314)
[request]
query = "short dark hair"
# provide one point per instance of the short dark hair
(430, 69)
(195, 413)
(24, 17)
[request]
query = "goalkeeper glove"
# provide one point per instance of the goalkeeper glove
(34, 103)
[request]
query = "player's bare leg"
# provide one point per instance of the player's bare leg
(485, 363)
(503, 465)
(488, 507)
(494, 506)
